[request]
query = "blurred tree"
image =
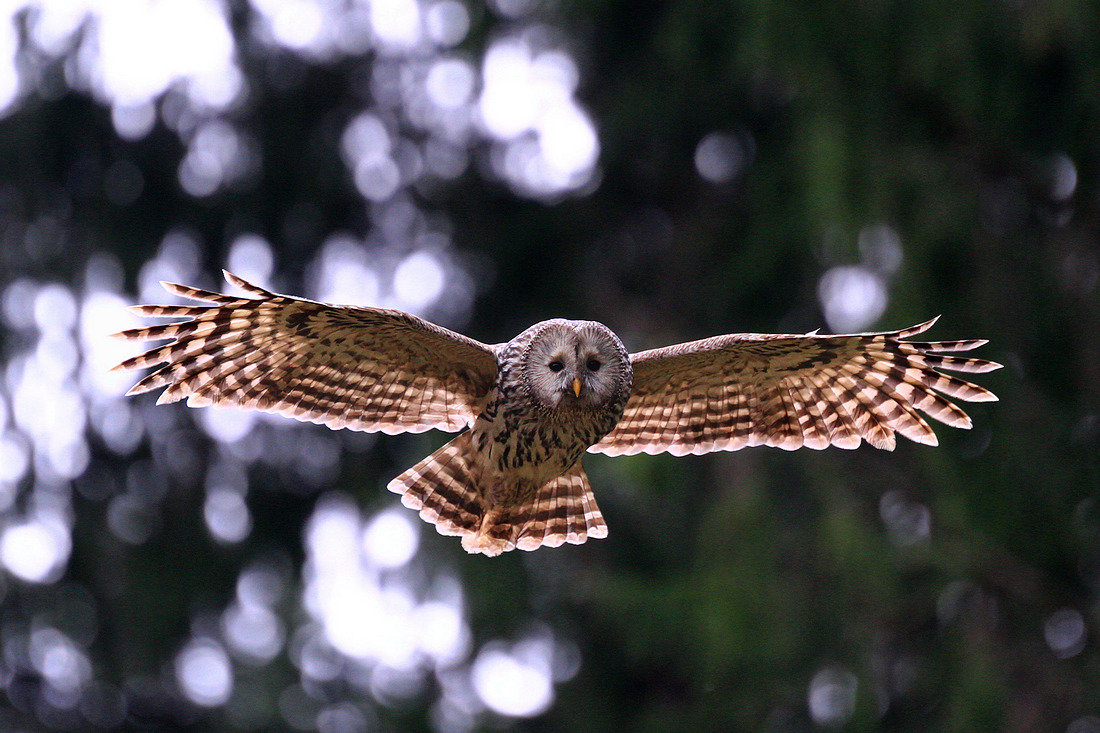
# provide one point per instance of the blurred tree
(788, 166)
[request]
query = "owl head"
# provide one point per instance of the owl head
(575, 364)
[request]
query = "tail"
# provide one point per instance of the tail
(443, 488)
(563, 510)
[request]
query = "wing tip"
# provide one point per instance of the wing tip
(134, 362)
(927, 438)
(917, 329)
(244, 285)
(177, 289)
(168, 396)
(982, 366)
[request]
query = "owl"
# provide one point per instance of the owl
(525, 411)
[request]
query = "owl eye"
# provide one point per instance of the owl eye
(556, 366)
(593, 365)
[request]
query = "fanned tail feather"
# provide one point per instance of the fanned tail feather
(443, 489)
(563, 510)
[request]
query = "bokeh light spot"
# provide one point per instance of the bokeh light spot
(35, 550)
(450, 83)
(447, 22)
(832, 696)
(390, 539)
(254, 632)
(227, 516)
(418, 281)
(853, 297)
(251, 257)
(719, 157)
(510, 686)
(204, 674)
(1064, 631)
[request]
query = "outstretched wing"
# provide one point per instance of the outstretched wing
(362, 368)
(789, 391)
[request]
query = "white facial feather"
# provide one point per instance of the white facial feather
(564, 351)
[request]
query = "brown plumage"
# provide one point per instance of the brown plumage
(789, 391)
(536, 403)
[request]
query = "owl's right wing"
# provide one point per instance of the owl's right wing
(789, 391)
(368, 369)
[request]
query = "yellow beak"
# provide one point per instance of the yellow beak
(576, 386)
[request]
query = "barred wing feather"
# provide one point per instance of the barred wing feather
(366, 369)
(789, 391)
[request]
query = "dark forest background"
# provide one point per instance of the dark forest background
(672, 169)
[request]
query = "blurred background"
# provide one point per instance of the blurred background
(672, 169)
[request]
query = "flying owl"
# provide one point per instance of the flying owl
(528, 409)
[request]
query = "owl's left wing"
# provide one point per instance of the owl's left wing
(789, 391)
(368, 369)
